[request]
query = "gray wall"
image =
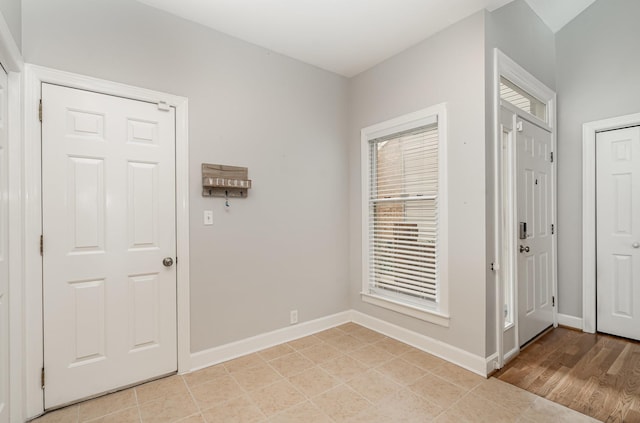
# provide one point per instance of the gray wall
(448, 67)
(285, 246)
(598, 68)
(12, 13)
(520, 34)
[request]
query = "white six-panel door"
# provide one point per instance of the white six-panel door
(4, 251)
(535, 252)
(618, 232)
(108, 193)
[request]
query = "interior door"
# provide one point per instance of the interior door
(108, 193)
(4, 250)
(618, 232)
(535, 217)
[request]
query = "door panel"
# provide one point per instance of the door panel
(108, 169)
(4, 250)
(535, 257)
(618, 232)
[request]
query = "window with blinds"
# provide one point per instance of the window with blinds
(403, 215)
(521, 99)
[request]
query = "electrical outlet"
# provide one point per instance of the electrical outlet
(208, 217)
(293, 317)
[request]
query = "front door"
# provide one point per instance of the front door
(535, 219)
(4, 250)
(108, 206)
(618, 232)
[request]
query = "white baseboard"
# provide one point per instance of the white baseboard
(570, 321)
(491, 363)
(455, 355)
(237, 349)
(476, 364)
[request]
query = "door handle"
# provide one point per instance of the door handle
(636, 245)
(167, 262)
(524, 249)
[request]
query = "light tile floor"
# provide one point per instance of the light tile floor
(345, 374)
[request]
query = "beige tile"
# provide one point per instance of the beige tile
(437, 390)
(543, 410)
(237, 410)
(291, 364)
(303, 343)
(219, 390)
(275, 352)
(422, 359)
(509, 396)
(401, 371)
(204, 375)
(341, 403)
(371, 414)
(472, 408)
(128, 415)
(168, 409)
(374, 386)
(305, 412)
(277, 397)
(345, 343)
(256, 377)
(173, 385)
(196, 418)
(245, 362)
(320, 353)
(106, 404)
(344, 368)
(329, 333)
(392, 346)
(458, 375)
(348, 327)
(371, 355)
(404, 405)
(366, 335)
(313, 381)
(64, 415)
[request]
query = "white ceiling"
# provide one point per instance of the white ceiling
(558, 13)
(345, 36)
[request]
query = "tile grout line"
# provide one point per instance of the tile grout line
(135, 394)
(193, 398)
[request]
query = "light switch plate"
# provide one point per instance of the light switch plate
(208, 217)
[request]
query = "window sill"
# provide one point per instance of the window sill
(431, 316)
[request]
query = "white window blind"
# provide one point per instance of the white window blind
(403, 215)
(521, 99)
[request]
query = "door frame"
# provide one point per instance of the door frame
(35, 76)
(12, 61)
(589, 224)
(505, 263)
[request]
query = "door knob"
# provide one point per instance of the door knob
(636, 245)
(524, 249)
(167, 262)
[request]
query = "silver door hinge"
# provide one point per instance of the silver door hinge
(519, 126)
(553, 301)
(553, 229)
(163, 106)
(552, 157)
(40, 111)
(42, 378)
(41, 244)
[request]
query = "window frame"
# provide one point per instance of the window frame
(434, 312)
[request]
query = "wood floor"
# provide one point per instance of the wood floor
(597, 375)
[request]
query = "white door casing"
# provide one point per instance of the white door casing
(536, 255)
(108, 172)
(4, 249)
(618, 232)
